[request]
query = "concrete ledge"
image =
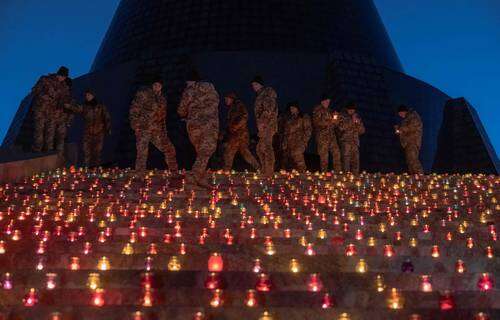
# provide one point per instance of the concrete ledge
(15, 170)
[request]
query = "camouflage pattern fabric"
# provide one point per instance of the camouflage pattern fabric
(49, 95)
(97, 125)
(147, 116)
(326, 139)
(200, 107)
(266, 114)
(410, 136)
(237, 137)
(350, 127)
(297, 133)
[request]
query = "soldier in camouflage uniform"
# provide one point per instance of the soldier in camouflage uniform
(350, 127)
(49, 95)
(63, 118)
(297, 133)
(237, 137)
(199, 106)
(97, 125)
(279, 142)
(410, 136)
(325, 121)
(147, 116)
(266, 114)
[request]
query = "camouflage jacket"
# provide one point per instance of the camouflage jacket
(96, 117)
(50, 93)
(297, 132)
(266, 110)
(148, 110)
(350, 130)
(237, 119)
(410, 130)
(324, 123)
(200, 106)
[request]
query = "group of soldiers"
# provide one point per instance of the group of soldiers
(53, 112)
(336, 133)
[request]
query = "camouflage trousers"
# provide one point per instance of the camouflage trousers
(265, 152)
(204, 141)
(295, 155)
(350, 157)
(239, 144)
(159, 138)
(92, 148)
(327, 146)
(44, 129)
(61, 132)
(412, 160)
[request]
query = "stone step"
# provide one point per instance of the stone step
(238, 313)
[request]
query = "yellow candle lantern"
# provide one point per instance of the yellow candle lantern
(379, 283)
(174, 264)
(294, 266)
(103, 264)
(128, 249)
(395, 300)
(361, 266)
(94, 281)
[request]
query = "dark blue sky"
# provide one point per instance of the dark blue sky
(451, 44)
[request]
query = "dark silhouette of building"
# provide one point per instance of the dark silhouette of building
(301, 48)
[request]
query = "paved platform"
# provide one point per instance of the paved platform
(105, 244)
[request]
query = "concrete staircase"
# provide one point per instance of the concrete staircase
(82, 244)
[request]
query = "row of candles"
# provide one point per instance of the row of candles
(213, 282)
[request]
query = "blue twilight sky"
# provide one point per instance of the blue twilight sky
(451, 44)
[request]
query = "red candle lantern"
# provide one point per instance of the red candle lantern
(350, 250)
(263, 283)
(425, 285)
(31, 298)
(460, 266)
(153, 249)
(314, 284)
(327, 302)
(216, 300)
(7, 281)
(137, 315)
(310, 250)
(481, 316)
(257, 267)
(87, 248)
(435, 253)
(215, 263)
(388, 251)
(148, 263)
(287, 233)
(51, 281)
(147, 280)
(41, 248)
(213, 282)
(251, 298)
(74, 263)
(98, 297)
(359, 234)
(147, 299)
(446, 301)
(485, 282)
(489, 252)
